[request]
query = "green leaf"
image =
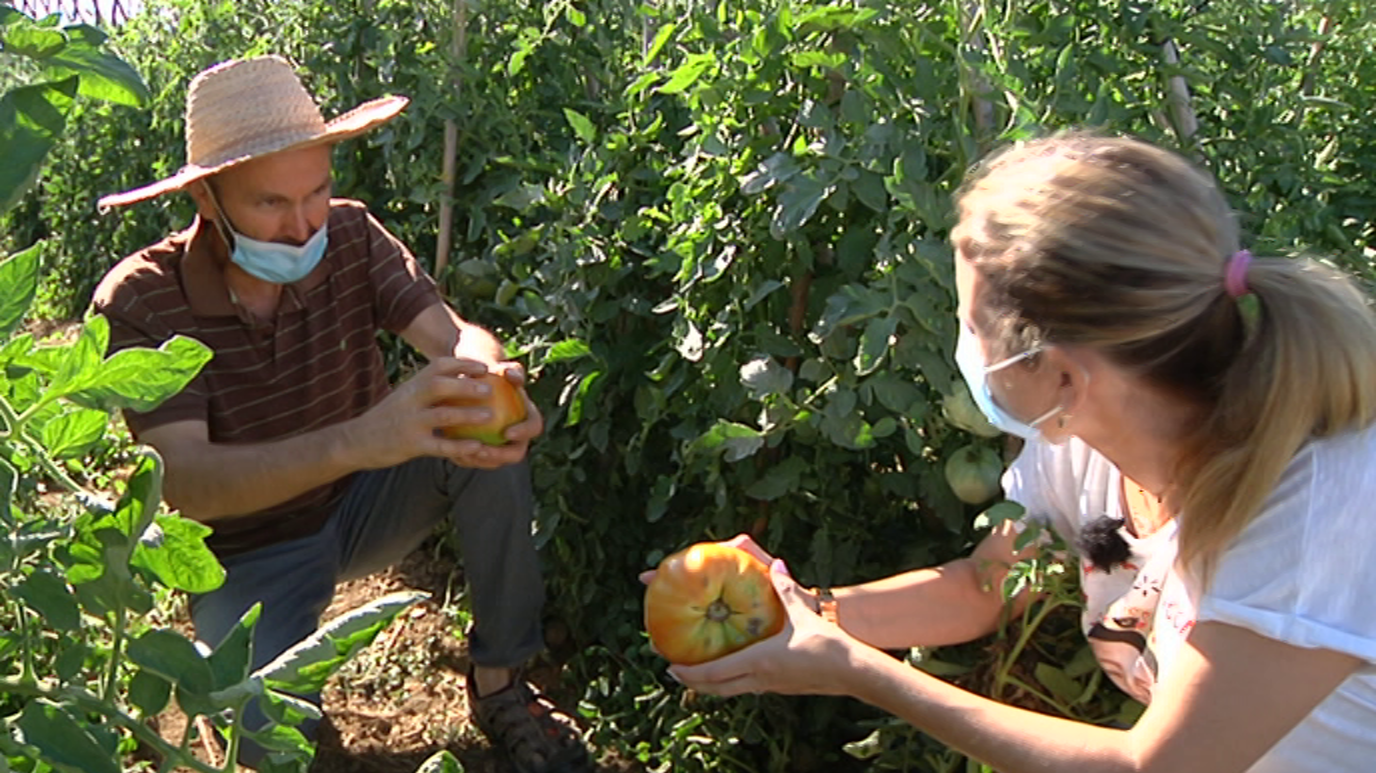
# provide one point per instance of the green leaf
(230, 661)
(31, 122)
(874, 343)
(63, 743)
(763, 376)
(662, 39)
(18, 283)
(569, 349)
(103, 76)
(776, 169)
(173, 657)
(686, 74)
(48, 595)
(304, 667)
(581, 125)
(81, 360)
(797, 203)
(781, 479)
(287, 709)
(737, 441)
(281, 738)
(141, 378)
(174, 549)
(149, 692)
(25, 38)
(74, 432)
(441, 762)
(9, 479)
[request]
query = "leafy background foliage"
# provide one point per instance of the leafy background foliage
(715, 232)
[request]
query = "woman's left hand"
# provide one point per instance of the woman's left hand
(808, 657)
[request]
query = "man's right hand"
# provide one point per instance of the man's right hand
(404, 425)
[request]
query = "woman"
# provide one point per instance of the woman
(1105, 317)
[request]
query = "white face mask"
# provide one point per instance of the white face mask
(272, 261)
(976, 374)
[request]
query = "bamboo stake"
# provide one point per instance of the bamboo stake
(978, 85)
(1183, 118)
(458, 47)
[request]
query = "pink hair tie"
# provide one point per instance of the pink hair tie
(1235, 275)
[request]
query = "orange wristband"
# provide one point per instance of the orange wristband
(826, 605)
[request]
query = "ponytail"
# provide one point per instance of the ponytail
(1307, 368)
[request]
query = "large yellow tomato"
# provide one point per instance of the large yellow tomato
(505, 401)
(709, 600)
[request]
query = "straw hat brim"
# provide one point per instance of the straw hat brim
(350, 124)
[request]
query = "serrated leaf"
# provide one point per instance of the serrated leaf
(74, 432)
(63, 743)
(287, 709)
(48, 595)
(140, 378)
(179, 557)
(736, 441)
(18, 285)
(304, 667)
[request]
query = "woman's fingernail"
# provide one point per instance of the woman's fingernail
(780, 567)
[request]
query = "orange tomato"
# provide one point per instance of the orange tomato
(709, 600)
(506, 402)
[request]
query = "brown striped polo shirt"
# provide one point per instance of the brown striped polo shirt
(316, 363)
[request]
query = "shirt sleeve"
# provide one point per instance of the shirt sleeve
(1034, 480)
(401, 287)
(1303, 570)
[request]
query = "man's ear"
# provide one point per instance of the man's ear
(201, 195)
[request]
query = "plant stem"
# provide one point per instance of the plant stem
(1024, 636)
(10, 418)
(86, 701)
(26, 651)
(112, 678)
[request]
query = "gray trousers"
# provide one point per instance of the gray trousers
(384, 516)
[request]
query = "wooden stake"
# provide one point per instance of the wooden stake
(458, 48)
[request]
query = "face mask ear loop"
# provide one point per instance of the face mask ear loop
(220, 226)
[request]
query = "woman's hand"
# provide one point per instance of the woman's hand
(742, 541)
(808, 657)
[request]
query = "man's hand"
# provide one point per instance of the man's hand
(471, 453)
(405, 424)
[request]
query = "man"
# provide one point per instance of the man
(290, 444)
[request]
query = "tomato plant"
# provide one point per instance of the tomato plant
(710, 600)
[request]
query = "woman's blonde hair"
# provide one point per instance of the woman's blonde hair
(1115, 244)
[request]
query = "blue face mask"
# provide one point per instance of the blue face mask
(272, 261)
(976, 374)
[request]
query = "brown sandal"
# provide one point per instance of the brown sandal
(537, 736)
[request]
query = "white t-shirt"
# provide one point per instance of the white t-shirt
(1302, 572)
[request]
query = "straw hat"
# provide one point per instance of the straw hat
(246, 108)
